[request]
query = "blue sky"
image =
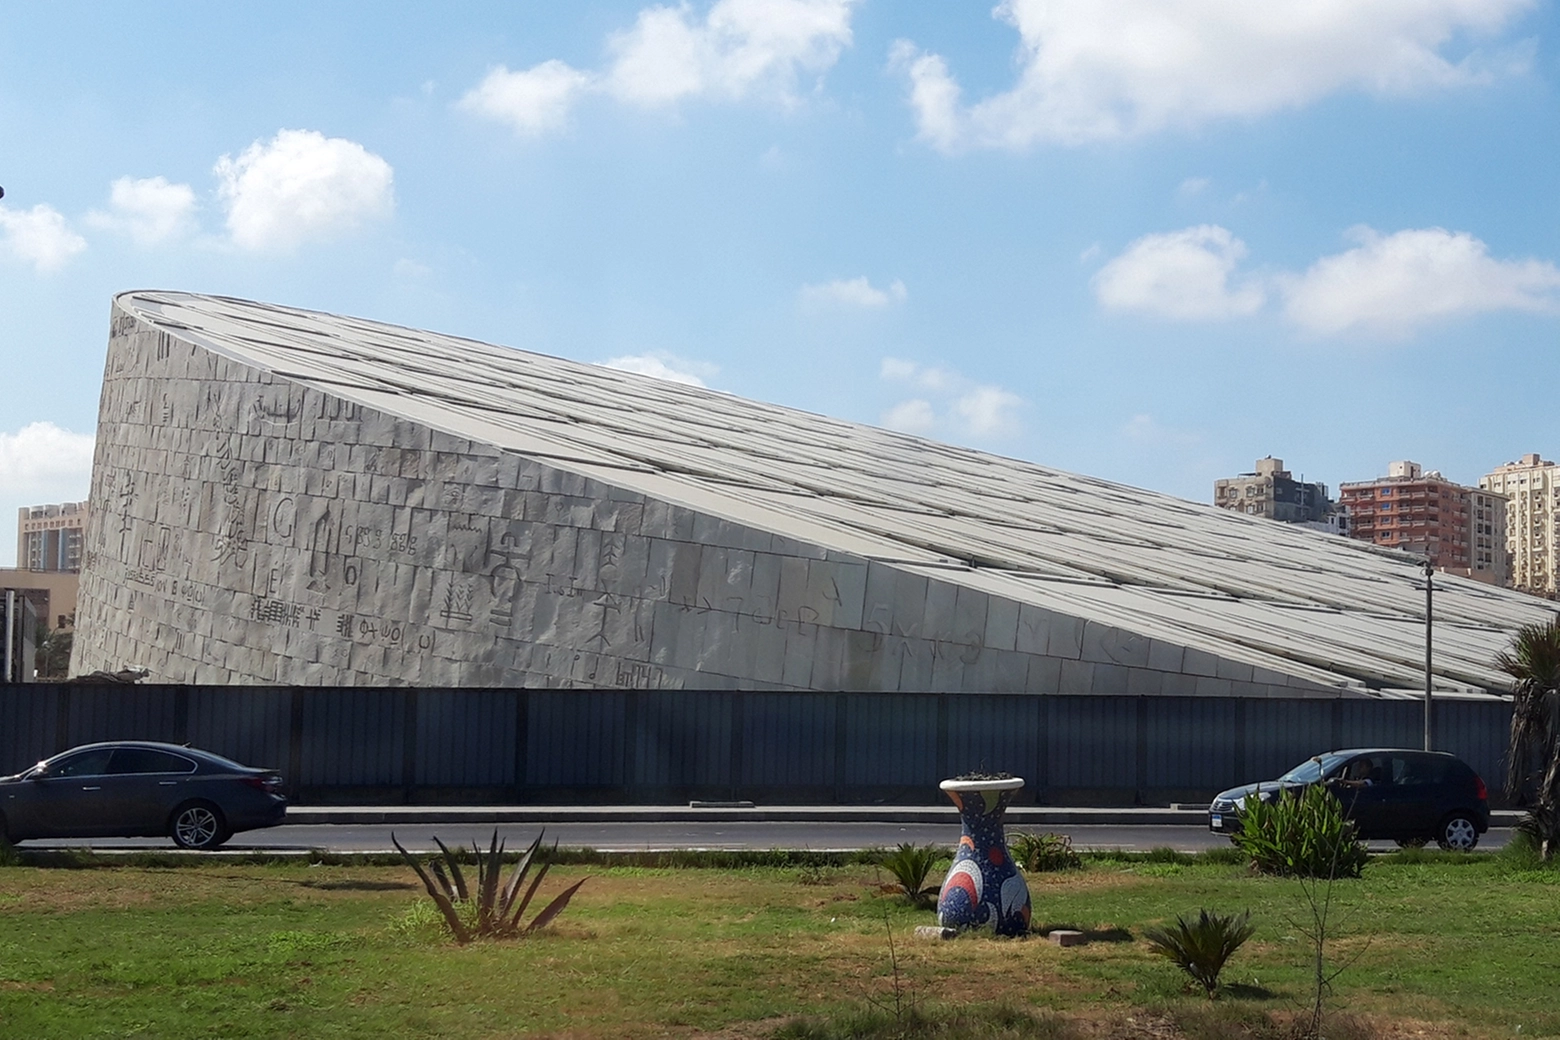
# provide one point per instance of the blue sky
(1149, 240)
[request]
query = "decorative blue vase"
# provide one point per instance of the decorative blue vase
(984, 888)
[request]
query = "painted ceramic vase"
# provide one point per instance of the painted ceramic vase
(984, 888)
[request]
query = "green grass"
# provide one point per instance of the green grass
(1452, 945)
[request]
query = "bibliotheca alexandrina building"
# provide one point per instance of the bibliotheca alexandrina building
(281, 496)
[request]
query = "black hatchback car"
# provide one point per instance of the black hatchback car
(140, 789)
(1411, 797)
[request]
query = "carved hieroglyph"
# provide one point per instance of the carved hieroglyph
(280, 496)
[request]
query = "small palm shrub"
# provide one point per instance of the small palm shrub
(911, 865)
(1037, 853)
(1303, 835)
(1201, 947)
(487, 911)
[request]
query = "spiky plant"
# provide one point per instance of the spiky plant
(1037, 853)
(488, 911)
(1533, 660)
(1303, 835)
(910, 865)
(1201, 947)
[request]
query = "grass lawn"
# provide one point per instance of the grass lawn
(1442, 946)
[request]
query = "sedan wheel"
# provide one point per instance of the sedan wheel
(1458, 833)
(198, 826)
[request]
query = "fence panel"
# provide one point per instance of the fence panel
(466, 738)
(247, 724)
(29, 717)
(1384, 724)
(993, 733)
(354, 737)
(1091, 742)
(788, 740)
(1189, 742)
(891, 740)
(1280, 734)
(683, 739)
(575, 738)
(110, 713)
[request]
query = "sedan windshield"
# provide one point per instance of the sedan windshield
(1311, 770)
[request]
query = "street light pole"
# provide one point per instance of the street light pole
(1429, 602)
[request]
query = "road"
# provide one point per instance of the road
(636, 837)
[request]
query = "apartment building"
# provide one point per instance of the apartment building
(1459, 528)
(1531, 488)
(1272, 491)
(48, 538)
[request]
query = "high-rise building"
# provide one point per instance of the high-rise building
(1459, 528)
(1273, 492)
(1531, 488)
(48, 538)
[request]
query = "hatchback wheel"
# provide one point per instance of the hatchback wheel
(1458, 833)
(198, 826)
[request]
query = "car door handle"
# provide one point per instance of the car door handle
(92, 788)
(167, 783)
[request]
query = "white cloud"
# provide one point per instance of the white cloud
(853, 292)
(913, 416)
(39, 236)
(531, 101)
(1144, 429)
(924, 377)
(664, 366)
(150, 210)
(1192, 187)
(741, 48)
(987, 411)
(1182, 275)
(1094, 70)
(45, 461)
(949, 402)
(1392, 285)
(301, 185)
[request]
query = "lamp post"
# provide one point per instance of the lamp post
(1429, 602)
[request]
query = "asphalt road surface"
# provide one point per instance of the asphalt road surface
(616, 837)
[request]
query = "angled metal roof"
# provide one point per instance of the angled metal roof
(1290, 600)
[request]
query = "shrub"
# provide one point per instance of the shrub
(910, 865)
(1201, 947)
(1038, 853)
(488, 911)
(1301, 836)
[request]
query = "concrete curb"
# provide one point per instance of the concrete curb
(1021, 816)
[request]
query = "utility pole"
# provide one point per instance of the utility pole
(1429, 603)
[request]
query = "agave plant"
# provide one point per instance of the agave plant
(910, 865)
(488, 910)
(1201, 947)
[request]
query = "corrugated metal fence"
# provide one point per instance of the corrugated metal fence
(360, 745)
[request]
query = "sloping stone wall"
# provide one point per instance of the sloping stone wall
(247, 528)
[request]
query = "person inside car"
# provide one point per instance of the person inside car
(1357, 774)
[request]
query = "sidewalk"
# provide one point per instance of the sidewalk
(1017, 816)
